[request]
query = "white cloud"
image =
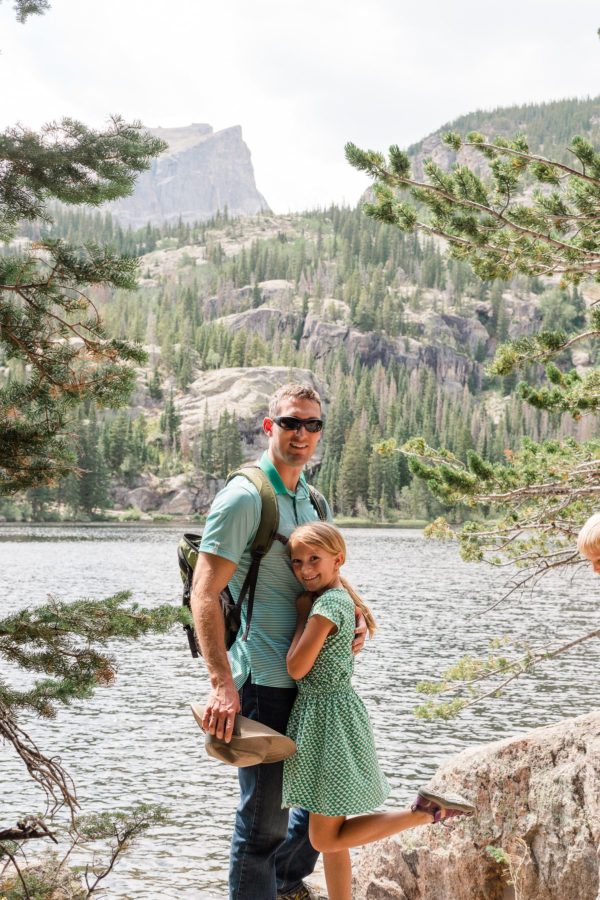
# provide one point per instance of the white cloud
(301, 78)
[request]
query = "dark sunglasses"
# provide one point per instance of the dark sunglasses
(291, 423)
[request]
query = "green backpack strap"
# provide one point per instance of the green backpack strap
(318, 501)
(269, 516)
(264, 537)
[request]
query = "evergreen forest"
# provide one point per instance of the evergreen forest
(397, 334)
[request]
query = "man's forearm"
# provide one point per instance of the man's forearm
(211, 576)
(210, 630)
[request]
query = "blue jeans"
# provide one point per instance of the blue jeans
(270, 850)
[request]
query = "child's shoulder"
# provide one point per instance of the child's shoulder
(338, 596)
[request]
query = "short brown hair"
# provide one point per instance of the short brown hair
(588, 538)
(295, 390)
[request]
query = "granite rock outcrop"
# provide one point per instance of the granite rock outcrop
(445, 348)
(538, 802)
(244, 393)
(179, 495)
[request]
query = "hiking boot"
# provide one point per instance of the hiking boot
(302, 892)
(442, 806)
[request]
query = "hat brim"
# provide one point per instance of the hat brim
(252, 742)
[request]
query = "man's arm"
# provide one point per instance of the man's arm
(211, 575)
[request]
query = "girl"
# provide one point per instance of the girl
(335, 772)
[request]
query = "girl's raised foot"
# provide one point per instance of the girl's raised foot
(442, 806)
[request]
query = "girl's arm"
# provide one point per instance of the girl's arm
(309, 637)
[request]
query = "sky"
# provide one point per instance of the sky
(301, 78)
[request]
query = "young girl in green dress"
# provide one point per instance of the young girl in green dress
(334, 772)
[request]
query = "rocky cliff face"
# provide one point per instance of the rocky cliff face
(538, 801)
(201, 173)
(446, 342)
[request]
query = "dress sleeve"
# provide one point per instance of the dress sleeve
(330, 605)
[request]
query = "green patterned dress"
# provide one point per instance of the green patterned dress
(334, 771)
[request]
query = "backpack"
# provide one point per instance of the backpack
(189, 547)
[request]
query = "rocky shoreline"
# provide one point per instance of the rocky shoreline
(536, 835)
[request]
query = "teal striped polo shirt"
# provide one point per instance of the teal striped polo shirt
(229, 531)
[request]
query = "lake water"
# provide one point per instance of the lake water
(137, 740)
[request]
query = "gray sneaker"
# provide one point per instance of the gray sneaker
(302, 892)
(442, 806)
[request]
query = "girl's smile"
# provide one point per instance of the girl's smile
(315, 569)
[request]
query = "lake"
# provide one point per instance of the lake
(137, 740)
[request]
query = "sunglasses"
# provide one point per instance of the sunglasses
(291, 423)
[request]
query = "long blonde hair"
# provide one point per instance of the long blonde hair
(328, 538)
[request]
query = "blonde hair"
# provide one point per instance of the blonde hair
(588, 538)
(328, 538)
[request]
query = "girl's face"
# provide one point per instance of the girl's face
(315, 569)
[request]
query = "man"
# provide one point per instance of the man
(270, 854)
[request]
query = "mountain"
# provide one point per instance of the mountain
(548, 127)
(395, 335)
(201, 173)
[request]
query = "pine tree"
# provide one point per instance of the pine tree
(353, 481)
(539, 494)
(46, 320)
(92, 475)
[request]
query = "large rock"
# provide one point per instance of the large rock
(199, 174)
(179, 495)
(243, 392)
(263, 321)
(538, 799)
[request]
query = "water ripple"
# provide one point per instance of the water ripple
(138, 741)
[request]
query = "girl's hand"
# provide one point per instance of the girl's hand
(304, 604)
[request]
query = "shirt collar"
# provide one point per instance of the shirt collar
(274, 477)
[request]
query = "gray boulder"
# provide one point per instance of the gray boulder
(179, 495)
(243, 392)
(538, 800)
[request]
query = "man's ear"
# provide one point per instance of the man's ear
(267, 426)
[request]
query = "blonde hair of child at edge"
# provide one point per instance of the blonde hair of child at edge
(588, 539)
(329, 539)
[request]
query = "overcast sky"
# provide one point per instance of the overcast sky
(301, 78)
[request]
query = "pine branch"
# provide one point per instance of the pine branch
(48, 773)
(390, 178)
(530, 157)
(512, 669)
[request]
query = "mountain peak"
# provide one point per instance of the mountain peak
(200, 173)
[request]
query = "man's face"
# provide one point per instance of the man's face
(293, 448)
(593, 554)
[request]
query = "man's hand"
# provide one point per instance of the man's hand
(219, 715)
(360, 632)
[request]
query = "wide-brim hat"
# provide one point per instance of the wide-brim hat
(251, 743)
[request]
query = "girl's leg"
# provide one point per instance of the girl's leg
(338, 875)
(330, 834)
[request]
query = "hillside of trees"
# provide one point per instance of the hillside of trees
(549, 126)
(342, 267)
